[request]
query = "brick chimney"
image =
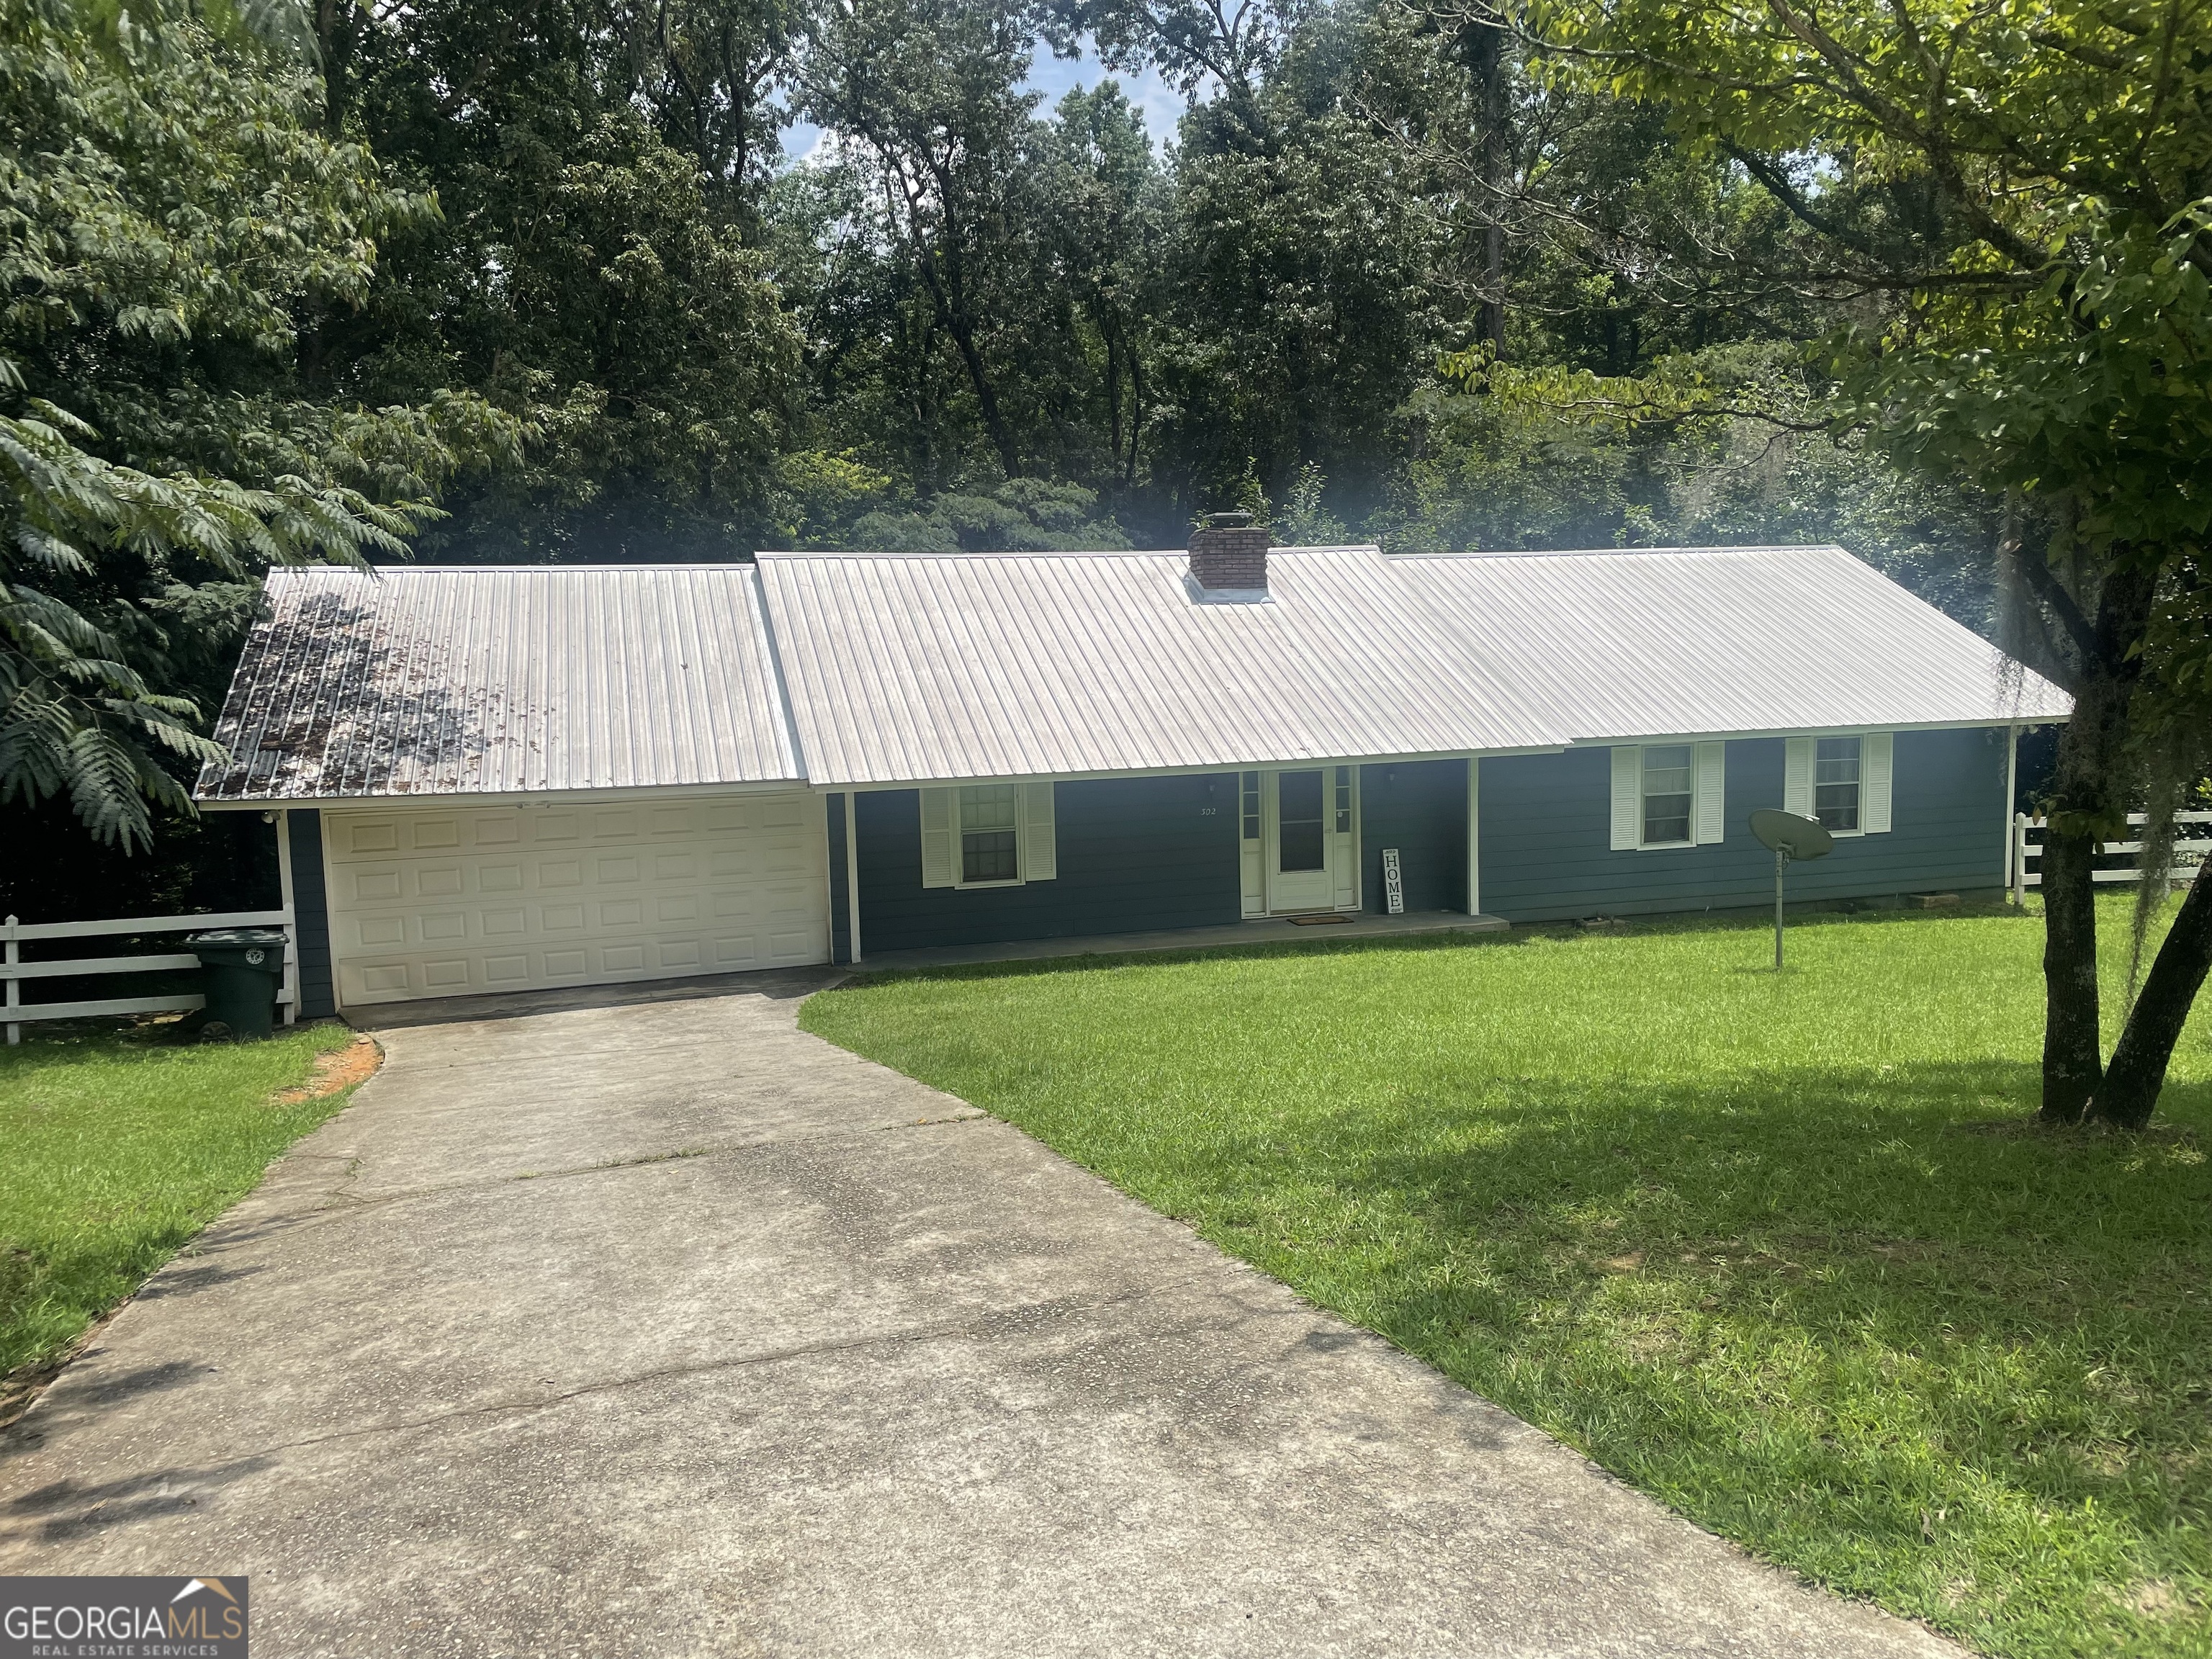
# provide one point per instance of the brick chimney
(1229, 554)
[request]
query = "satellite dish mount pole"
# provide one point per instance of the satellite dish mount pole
(1781, 863)
(1791, 837)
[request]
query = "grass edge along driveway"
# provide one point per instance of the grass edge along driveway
(116, 1149)
(1783, 1252)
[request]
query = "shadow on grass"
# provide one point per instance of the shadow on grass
(1870, 1321)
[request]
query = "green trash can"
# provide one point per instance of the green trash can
(240, 969)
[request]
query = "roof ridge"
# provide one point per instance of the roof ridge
(409, 569)
(780, 554)
(1603, 552)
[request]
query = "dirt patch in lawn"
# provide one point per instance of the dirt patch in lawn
(339, 1069)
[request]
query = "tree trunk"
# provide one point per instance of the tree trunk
(1136, 410)
(2087, 796)
(1113, 396)
(987, 395)
(2130, 1087)
(2072, 1056)
(1483, 48)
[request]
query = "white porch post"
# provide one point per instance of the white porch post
(1474, 835)
(291, 916)
(2012, 836)
(853, 873)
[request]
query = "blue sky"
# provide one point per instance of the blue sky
(1162, 104)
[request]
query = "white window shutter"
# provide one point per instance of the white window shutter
(1712, 792)
(1876, 753)
(1628, 798)
(1798, 777)
(1039, 840)
(938, 810)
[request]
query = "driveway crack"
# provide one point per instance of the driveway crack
(339, 1200)
(936, 1330)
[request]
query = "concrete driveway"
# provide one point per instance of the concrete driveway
(650, 1325)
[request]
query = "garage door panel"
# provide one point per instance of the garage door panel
(439, 904)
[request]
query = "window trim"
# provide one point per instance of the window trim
(960, 841)
(1036, 832)
(1858, 783)
(1644, 795)
(1708, 794)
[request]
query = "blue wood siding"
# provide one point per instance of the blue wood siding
(1419, 807)
(1547, 835)
(840, 908)
(311, 911)
(1134, 854)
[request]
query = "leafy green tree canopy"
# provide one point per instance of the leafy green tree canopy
(170, 215)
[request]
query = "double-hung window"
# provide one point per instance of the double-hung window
(1668, 794)
(1669, 790)
(1836, 782)
(990, 833)
(1844, 783)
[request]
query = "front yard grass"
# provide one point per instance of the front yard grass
(1784, 1252)
(114, 1150)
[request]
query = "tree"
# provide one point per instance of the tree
(1103, 195)
(172, 213)
(1310, 278)
(929, 91)
(585, 274)
(2009, 207)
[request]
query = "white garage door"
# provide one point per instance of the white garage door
(433, 902)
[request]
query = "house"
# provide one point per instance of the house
(491, 779)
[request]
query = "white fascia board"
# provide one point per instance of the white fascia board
(1299, 762)
(1990, 724)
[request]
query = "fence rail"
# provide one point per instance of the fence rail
(15, 970)
(2188, 852)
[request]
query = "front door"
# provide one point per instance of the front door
(1300, 844)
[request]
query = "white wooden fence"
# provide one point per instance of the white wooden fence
(15, 970)
(2187, 853)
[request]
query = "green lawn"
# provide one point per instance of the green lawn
(1781, 1251)
(114, 1150)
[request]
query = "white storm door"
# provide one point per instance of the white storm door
(1300, 851)
(428, 902)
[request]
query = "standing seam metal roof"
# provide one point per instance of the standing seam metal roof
(1694, 641)
(1012, 664)
(858, 669)
(455, 680)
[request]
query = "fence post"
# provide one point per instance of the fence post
(2020, 858)
(15, 985)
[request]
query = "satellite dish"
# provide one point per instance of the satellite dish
(1790, 836)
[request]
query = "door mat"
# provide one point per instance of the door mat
(1318, 922)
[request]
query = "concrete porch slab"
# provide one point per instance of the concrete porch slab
(1274, 929)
